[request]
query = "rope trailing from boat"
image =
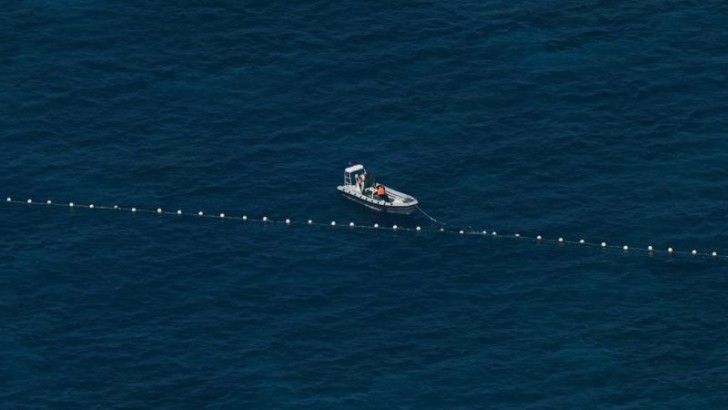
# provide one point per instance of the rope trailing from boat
(650, 250)
(429, 217)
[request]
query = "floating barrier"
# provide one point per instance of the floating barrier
(650, 249)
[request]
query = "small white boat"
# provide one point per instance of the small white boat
(361, 188)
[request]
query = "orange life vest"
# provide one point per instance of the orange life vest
(380, 191)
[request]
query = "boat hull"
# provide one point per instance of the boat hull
(379, 205)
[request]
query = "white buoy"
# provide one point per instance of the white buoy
(70, 205)
(581, 241)
(604, 244)
(49, 202)
(222, 215)
(288, 221)
(442, 229)
(418, 228)
(495, 233)
(462, 232)
(485, 232)
(30, 201)
(333, 223)
(669, 250)
(116, 206)
(518, 235)
(561, 240)
(714, 253)
(650, 248)
(159, 210)
(200, 213)
(179, 212)
(394, 227)
(310, 221)
(8, 199)
(351, 224)
(245, 217)
(133, 209)
(91, 206)
(265, 219)
(376, 225)
(694, 252)
(539, 237)
(625, 247)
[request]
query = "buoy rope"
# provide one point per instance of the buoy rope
(651, 250)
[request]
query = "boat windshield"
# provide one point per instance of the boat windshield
(369, 180)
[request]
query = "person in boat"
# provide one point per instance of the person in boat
(360, 183)
(381, 192)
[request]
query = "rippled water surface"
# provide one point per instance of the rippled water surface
(596, 119)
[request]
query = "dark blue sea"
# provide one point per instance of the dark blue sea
(602, 120)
